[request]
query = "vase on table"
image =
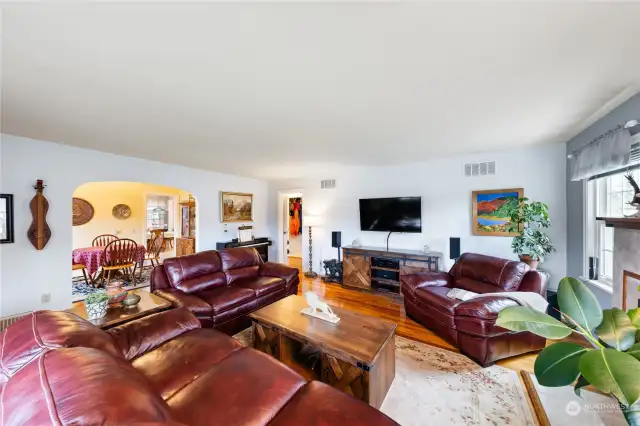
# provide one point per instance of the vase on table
(96, 310)
(116, 292)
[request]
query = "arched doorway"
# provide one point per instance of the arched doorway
(127, 210)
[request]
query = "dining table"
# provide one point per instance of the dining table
(94, 257)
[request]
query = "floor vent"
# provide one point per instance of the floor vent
(7, 321)
(486, 168)
(328, 184)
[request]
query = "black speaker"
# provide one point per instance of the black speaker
(454, 248)
(336, 238)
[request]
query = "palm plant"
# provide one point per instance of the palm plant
(611, 365)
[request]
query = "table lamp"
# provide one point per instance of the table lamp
(311, 221)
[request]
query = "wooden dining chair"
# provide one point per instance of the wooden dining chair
(154, 250)
(120, 255)
(80, 266)
(154, 234)
(103, 240)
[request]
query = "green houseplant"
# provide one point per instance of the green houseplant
(530, 218)
(612, 365)
(96, 305)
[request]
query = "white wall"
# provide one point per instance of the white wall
(446, 202)
(26, 273)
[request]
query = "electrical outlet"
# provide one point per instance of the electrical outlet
(45, 298)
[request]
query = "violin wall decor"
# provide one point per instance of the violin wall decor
(39, 232)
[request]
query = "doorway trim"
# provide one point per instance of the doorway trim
(283, 216)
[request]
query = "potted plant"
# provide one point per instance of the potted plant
(611, 365)
(529, 218)
(96, 305)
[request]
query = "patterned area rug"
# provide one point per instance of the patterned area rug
(80, 289)
(436, 387)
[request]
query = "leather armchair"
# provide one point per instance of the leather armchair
(164, 369)
(222, 287)
(471, 325)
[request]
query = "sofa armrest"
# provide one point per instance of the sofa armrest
(278, 270)
(159, 279)
(486, 308)
(138, 337)
(412, 282)
(535, 282)
(180, 299)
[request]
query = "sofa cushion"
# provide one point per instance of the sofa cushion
(476, 286)
(175, 364)
(338, 408)
(44, 330)
(192, 302)
(223, 299)
(503, 273)
(246, 388)
(138, 337)
(261, 285)
(195, 272)
(80, 386)
(436, 298)
(240, 263)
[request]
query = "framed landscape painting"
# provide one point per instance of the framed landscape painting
(236, 207)
(491, 211)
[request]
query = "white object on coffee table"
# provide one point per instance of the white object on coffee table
(318, 309)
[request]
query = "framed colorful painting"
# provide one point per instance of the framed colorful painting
(491, 211)
(236, 207)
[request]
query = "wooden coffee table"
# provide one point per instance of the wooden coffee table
(356, 355)
(116, 315)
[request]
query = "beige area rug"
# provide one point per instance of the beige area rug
(436, 387)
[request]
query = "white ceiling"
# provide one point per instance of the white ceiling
(273, 90)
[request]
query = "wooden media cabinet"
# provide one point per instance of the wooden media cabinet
(376, 268)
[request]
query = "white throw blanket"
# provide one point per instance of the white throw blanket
(528, 299)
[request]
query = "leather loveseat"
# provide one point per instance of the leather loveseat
(222, 287)
(470, 325)
(164, 369)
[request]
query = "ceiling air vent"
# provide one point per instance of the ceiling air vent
(480, 169)
(327, 184)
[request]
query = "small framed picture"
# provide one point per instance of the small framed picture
(6, 218)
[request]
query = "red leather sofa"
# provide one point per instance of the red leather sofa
(164, 369)
(471, 325)
(222, 287)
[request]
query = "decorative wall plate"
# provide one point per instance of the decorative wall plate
(121, 211)
(82, 211)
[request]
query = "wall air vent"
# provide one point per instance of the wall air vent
(327, 184)
(480, 169)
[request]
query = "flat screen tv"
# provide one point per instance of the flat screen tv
(402, 214)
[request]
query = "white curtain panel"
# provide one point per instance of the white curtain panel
(603, 155)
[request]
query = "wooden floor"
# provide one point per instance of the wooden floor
(387, 309)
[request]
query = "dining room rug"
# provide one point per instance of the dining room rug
(80, 289)
(434, 386)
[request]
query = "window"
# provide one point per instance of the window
(607, 196)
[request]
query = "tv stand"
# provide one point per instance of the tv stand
(381, 269)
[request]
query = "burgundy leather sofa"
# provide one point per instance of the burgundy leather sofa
(222, 287)
(164, 369)
(471, 325)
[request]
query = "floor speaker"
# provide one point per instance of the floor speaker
(454, 248)
(336, 238)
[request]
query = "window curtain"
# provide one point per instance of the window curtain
(609, 152)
